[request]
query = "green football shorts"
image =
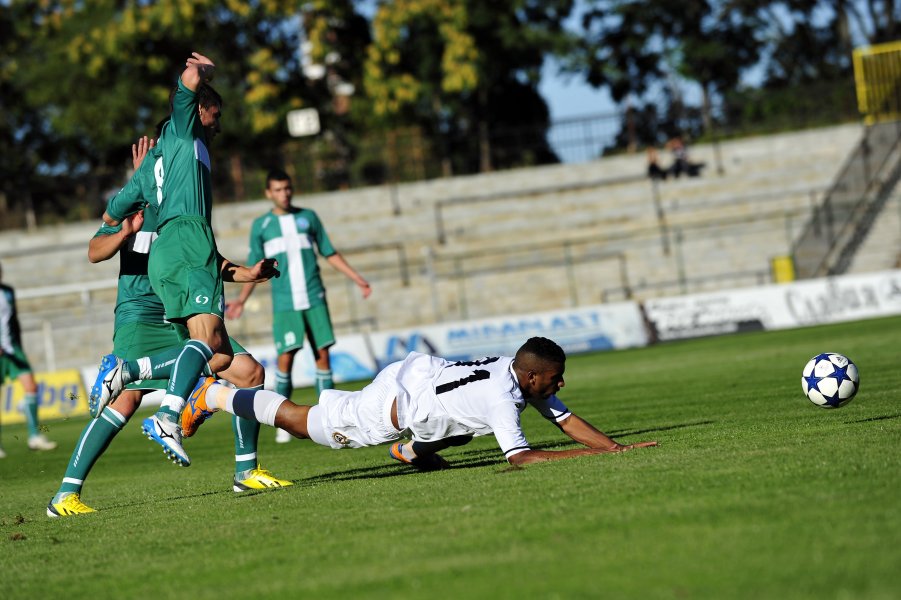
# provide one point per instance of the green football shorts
(289, 328)
(13, 365)
(184, 269)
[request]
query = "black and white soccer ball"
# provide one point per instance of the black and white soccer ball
(830, 380)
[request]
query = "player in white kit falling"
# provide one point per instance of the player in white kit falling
(436, 402)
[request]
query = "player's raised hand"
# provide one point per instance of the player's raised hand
(140, 149)
(204, 65)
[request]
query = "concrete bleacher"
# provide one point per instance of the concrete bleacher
(492, 244)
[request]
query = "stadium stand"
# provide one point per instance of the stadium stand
(492, 244)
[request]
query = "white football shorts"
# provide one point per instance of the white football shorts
(363, 418)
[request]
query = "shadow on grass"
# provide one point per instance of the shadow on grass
(477, 458)
(882, 418)
(465, 459)
(625, 432)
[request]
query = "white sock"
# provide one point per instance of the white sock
(257, 405)
(173, 403)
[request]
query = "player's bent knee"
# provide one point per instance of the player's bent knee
(245, 372)
(220, 362)
(257, 375)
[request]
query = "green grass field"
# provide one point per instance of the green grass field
(754, 492)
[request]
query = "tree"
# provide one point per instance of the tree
(465, 72)
(99, 73)
(633, 46)
(336, 41)
(23, 135)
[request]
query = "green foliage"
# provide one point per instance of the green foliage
(651, 50)
(788, 108)
(753, 493)
(420, 49)
(99, 74)
(629, 46)
(465, 72)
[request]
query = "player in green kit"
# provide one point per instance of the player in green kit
(14, 365)
(140, 330)
(291, 235)
(185, 268)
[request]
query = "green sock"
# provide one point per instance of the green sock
(185, 374)
(247, 433)
(283, 385)
(157, 366)
(31, 414)
(93, 442)
(323, 381)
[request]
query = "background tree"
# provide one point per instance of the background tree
(799, 50)
(99, 73)
(466, 73)
(446, 82)
(335, 40)
(634, 47)
(17, 124)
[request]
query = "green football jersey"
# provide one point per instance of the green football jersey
(143, 189)
(292, 240)
(187, 189)
(136, 302)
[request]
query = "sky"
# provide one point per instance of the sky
(569, 96)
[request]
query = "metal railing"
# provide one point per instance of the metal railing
(441, 205)
(860, 190)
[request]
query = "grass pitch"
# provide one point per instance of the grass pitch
(754, 492)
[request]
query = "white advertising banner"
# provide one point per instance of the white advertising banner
(586, 329)
(782, 306)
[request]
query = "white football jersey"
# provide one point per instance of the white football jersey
(438, 399)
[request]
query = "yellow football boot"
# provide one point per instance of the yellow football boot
(260, 479)
(69, 505)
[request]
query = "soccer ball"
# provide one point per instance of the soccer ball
(830, 380)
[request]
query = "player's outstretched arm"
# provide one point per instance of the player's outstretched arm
(579, 430)
(585, 433)
(264, 270)
(340, 264)
(235, 308)
(130, 198)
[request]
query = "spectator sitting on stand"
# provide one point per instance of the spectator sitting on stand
(655, 171)
(681, 163)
